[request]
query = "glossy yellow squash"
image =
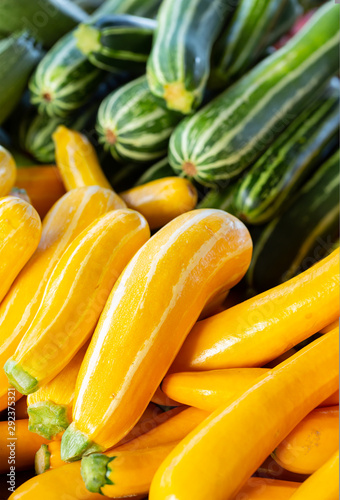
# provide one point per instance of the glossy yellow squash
(7, 171)
(77, 160)
(260, 329)
(151, 309)
(311, 443)
(323, 484)
(20, 231)
(74, 212)
(75, 296)
(228, 447)
(162, 200)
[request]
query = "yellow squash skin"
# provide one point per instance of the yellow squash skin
(257, 488)
(77, 160)
(8, 171)
(20, 232)
(75, 296)
(260, 329)
(162, 200)
(323, 484)
(228, 447)
(150, 311)
(210, 389)
(311, 443)
(74, 212)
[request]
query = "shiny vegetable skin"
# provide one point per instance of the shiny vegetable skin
(322, 484)
(232, 131)
(74, 298)
(209, 390)
(8, 171)
(50, 407)
(258, 488)
(77, 160)
(311, 443)
(251, 426)
(167, 280)
(20, 231)
(162, 200)
(260, 329)
(66, 220)
(43, 185)
(22, 453)
(179, 64)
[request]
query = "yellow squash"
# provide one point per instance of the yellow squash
(74, 212)
(260, 329)
(7, 171)
(151, 309)
(20, 231)
(323, 484)
(77, 160)
(75, 296)
(311, 443)
(50, 407)
(162, 200)
(228, 447)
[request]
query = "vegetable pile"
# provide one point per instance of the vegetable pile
(169, 261)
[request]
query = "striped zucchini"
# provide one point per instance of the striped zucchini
(290, 14)
(231, 132)
(266, 188)
(179, 64)
(158, 171)
(220, 198)
(302, 235)
(65, 80)
(142, 8)
(18, 56)
(241, 44)
(117, 42)
(132, 124)
(45, 20)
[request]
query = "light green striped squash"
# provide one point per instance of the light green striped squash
(132, 124)
(232, 131)
(303, 234)
(179, 64)
(241, 43)
(65, 80)
(18, 57)
(269, 184)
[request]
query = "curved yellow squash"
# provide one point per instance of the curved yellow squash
(20, 231)
(8, 171)
(65, 221)
(75, 296)
(151, 309)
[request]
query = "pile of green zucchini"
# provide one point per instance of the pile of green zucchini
(228, 94)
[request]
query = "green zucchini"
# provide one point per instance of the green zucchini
(142, 8)
(231, 132)
(117, 42)
(65, 80)
(133, 125)
(18, 57)
(220, 198)
(158, 171)
(303, 234)
(45, 20)
(88, 5)
(266, 188)
(179, 64)
(241, 44)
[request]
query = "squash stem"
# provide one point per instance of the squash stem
(42, 459)
(87, 39)
(178, 98)
(94, 471)
(19, 378)
(48, 419)
(75, 444)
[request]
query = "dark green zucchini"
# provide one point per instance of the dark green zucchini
(179, 64)
(18, 57)
(65, 79)
(303, 234)
(117, 42)
(88, 5)
(158, 171)
(220, 198)
(133, 125)
(290, 14)
(45, 20)
(281, 170)
(231, 132)
(242, 43)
